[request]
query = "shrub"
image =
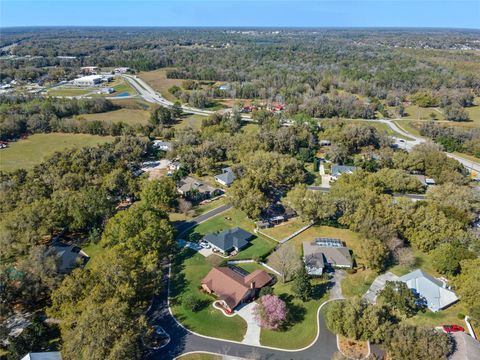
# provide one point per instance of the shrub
(193, 303)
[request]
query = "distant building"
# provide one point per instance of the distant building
(90, 80)
(435, 291)
(162, 145)
(54, 355)
(321, 254)
(338, 170)
(69, 256)
(89, 70)
(226, 178)
(107, 90)
(121, 70)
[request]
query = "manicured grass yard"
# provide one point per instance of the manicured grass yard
(357, 284)
(128, 116)
(200, 356)
(285, 229)
(94, 251)
(188, 271)
(303, 328)
(31, 151)
(260, 246)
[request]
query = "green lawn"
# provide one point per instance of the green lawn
(200, 356)
(94, 251)
(285, 229)
(357, 284)
(36, 148)
(198, 210)
(422, 261)
(260, 246)
(69, 92)
(129, 116)
(303, 327)
(188, 271)
(408, 126)
(190, 120)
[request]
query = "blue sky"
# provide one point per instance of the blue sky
(280, 13)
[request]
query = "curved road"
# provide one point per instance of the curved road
(150, 95)
(183, 341)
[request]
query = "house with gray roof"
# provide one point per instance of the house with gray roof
(68, 256)
(317, 257)
(162, 145)
(338, 170)
(433, 290)
(53, 355)
(195, 189)
(226, 178)
(229, 240)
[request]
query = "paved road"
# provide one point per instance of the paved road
(413, 197)
(183, 341)
(183, 227)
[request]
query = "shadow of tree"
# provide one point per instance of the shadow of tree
(295, 312)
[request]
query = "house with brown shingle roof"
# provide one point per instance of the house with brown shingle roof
(234, 288)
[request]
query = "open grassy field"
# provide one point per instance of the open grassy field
(188, 271)
(69, 91)
(260, 246)
(25, 154)
(157, 79)
(131, 103)
(357, 284)
(302, 327)
(190, 120)
(128, 116)
(285, 229)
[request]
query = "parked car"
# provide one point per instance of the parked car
(204, 245)
(452, 328)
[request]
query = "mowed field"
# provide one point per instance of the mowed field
(36, 148)
(157, 79)
(128, 116)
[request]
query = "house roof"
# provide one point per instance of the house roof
(467, 348)
(227, 176)
(320, 255)
(432, 289)
(189, 183)
(69, 256)
(162, 144)
(53, 355)
(231, 287)
(338, 170)
(229, 239)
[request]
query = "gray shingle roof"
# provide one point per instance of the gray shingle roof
(432, 289)
(338, 170)
(229, 239)
(226, 177)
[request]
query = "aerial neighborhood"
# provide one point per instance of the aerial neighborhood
(210, 193)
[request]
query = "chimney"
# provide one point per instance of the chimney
(252, 285)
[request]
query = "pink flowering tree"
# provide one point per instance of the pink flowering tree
(270, 312)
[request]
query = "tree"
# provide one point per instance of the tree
(270, 312)
(161, 116)
(456, 113)
(446, 257)
(245, 196)
(160, 194)
(311, 205)
(468, 285)
(285, 260)
(184, 206)
(176, 110)
(408, 342)
(302, 286)
(397, 297)
(36, 337)
(375, 253)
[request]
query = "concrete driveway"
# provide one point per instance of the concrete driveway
(252, 336)
(377, 285)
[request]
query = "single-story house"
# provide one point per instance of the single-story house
(195, 189)
(234, 288)
(229, 240)
(162, 145)
(226, 178)
(433, 290)
(175, 165)
(338, 170)
(317, 257)
(53, 355)
(466, 347)
(69, 256)
(424, 180)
